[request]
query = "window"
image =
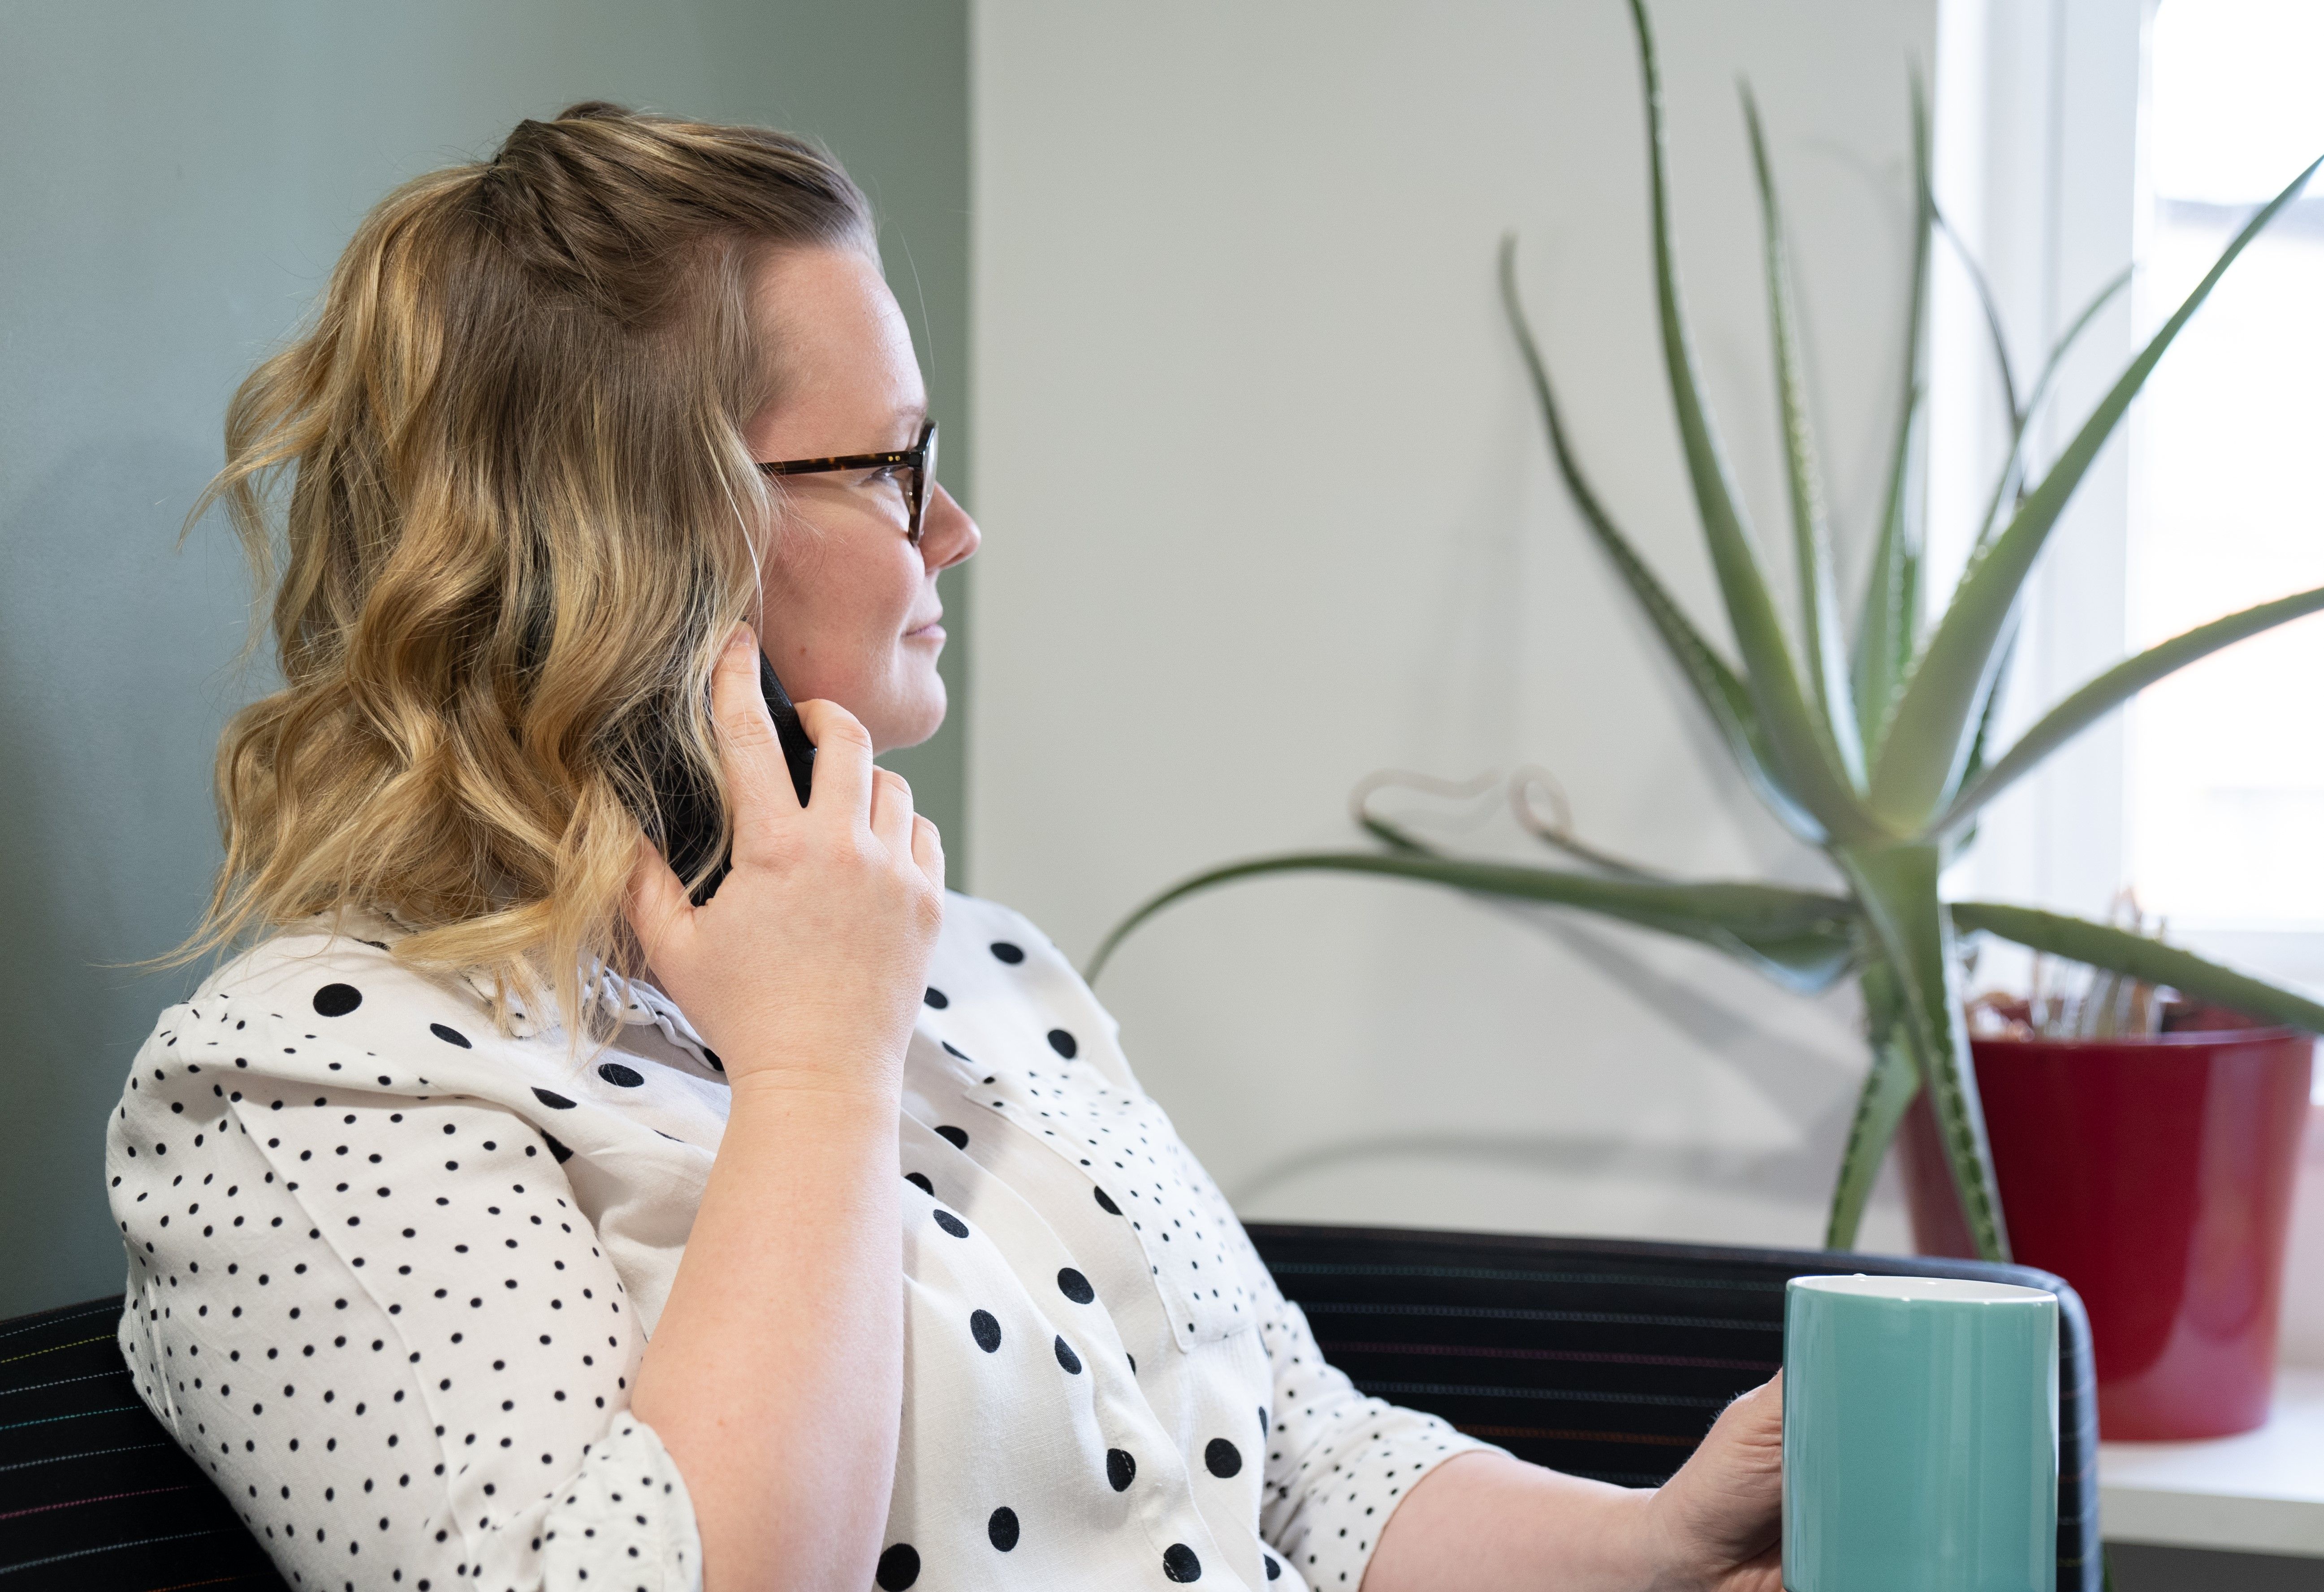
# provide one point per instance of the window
(2226, 760)
(2074, 136)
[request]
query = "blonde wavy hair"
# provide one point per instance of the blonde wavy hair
(517, 519)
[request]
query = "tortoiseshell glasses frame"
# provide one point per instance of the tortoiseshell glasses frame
(920, 459)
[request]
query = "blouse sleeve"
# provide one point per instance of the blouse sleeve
(1338, 1462)
(378, 1322)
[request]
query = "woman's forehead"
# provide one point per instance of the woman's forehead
(841, 341)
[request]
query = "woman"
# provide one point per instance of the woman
(503, 1219)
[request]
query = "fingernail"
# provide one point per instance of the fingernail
(739, 637)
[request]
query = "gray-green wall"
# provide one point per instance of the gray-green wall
(175, 182)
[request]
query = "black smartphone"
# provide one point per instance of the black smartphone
(689, 813)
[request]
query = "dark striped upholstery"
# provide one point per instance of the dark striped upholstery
(1608, 1358)
(1605, 1358)
(93, 1497)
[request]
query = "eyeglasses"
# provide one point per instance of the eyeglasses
(919, 460)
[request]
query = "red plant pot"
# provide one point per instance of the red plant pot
(2154, 1174)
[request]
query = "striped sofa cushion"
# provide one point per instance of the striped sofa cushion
(93, 1495)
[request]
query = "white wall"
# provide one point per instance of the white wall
(1266, 509)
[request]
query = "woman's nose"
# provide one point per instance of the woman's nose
(947, 535)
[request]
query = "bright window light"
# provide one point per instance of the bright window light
(2226, 758)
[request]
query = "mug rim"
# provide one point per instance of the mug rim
(1910, 1290)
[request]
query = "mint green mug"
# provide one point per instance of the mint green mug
(1920, 1436)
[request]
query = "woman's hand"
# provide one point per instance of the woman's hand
(807, 965)
(1717, 1524)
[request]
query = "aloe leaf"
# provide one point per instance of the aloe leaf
(1889, 1087)
(1398, 838)
(2111, 689)
(1897, 888)
(2082, 323)
(1715, 683)
(2012, 468)
(1986, 724)
(2118, 950)
(1887, 630)
(1885, 627)
(1562, 837)
(1827, 648)
(1994, 335)
(1801, 938)
(1805, 757)
(1921, 754)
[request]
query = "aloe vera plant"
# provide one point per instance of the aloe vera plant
(1870, 747)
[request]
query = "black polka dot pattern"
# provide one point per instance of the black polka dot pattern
(899, 1567)
(359, 1273)
(368, 1301)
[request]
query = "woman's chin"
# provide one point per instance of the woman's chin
(911, 721)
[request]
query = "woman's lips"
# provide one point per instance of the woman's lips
(931, 631)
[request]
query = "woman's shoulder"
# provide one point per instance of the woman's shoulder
(326, 1002)
(993, 963)
(331, 966)
(974, 919)
(984, 938)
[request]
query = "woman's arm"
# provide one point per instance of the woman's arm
(1488, 1519)
(775, 1375)
(376, 1321)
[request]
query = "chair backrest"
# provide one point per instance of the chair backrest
(1609, 1359)
(97, 1498)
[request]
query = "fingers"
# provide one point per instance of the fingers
(892, 811)
(747, 746)
(842, 760)
(658, 902)
(927, 850)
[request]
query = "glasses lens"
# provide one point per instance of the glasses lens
(924, 480)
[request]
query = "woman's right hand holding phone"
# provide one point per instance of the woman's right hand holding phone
(808, 965)
(775, 1371)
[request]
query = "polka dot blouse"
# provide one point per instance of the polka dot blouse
(391, 1274)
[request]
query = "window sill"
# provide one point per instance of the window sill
(2262, 1492)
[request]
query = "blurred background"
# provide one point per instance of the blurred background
(1205, 296)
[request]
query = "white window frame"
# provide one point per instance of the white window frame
(2039, 146)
